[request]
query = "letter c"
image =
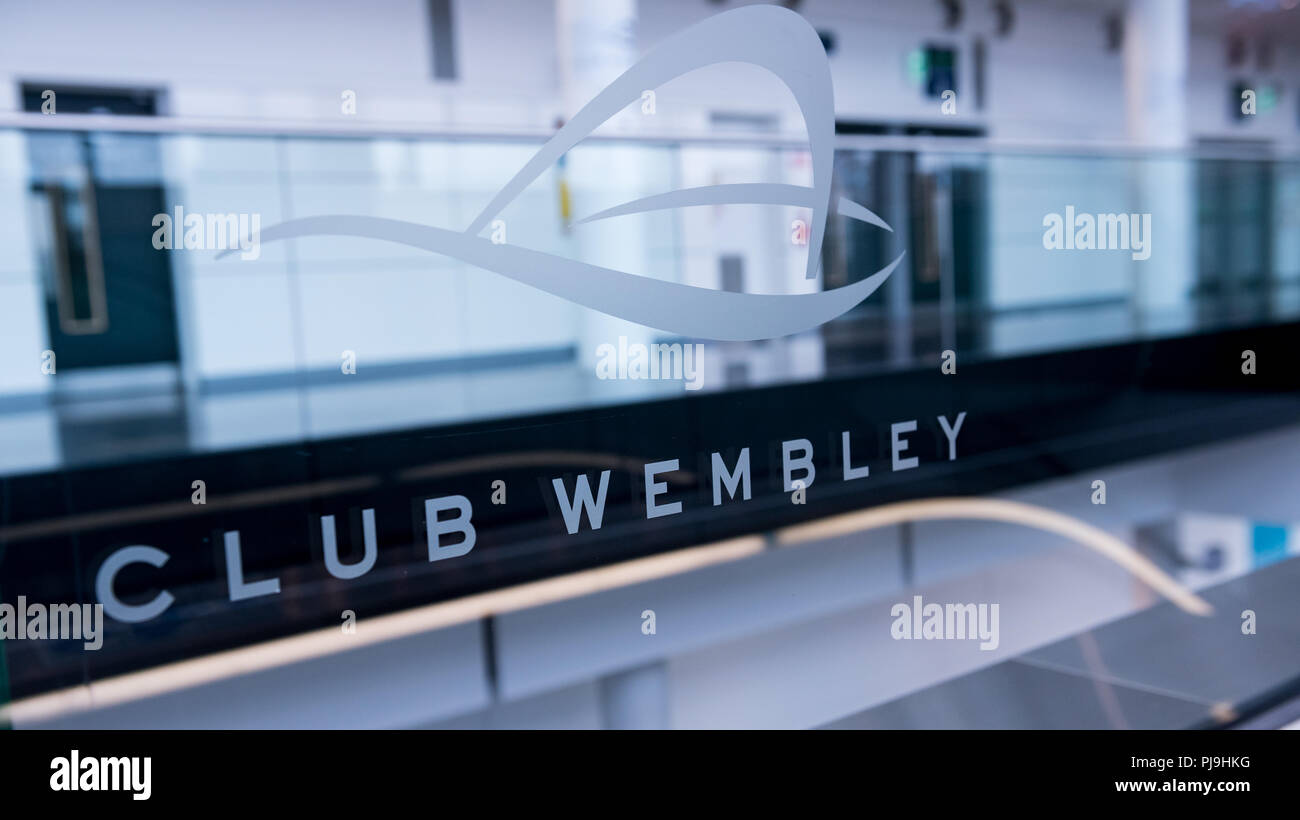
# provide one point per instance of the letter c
(116, 609)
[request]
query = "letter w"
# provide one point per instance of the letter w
(572, 509)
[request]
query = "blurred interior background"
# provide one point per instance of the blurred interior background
(421, 110)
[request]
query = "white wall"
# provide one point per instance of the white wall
(1074, 90)
(1210, 84)
(290, 60)
(1050, 78)
(303, 303)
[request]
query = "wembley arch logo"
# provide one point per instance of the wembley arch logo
(771, 37)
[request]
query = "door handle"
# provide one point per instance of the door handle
(64, 285)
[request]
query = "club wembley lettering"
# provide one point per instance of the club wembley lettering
(449, 530)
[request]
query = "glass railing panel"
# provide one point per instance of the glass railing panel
(264, 342)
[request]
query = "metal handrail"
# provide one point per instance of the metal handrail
(217, 126)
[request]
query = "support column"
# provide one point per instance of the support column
(1156, 41)
(596, 42)
(635, 698)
